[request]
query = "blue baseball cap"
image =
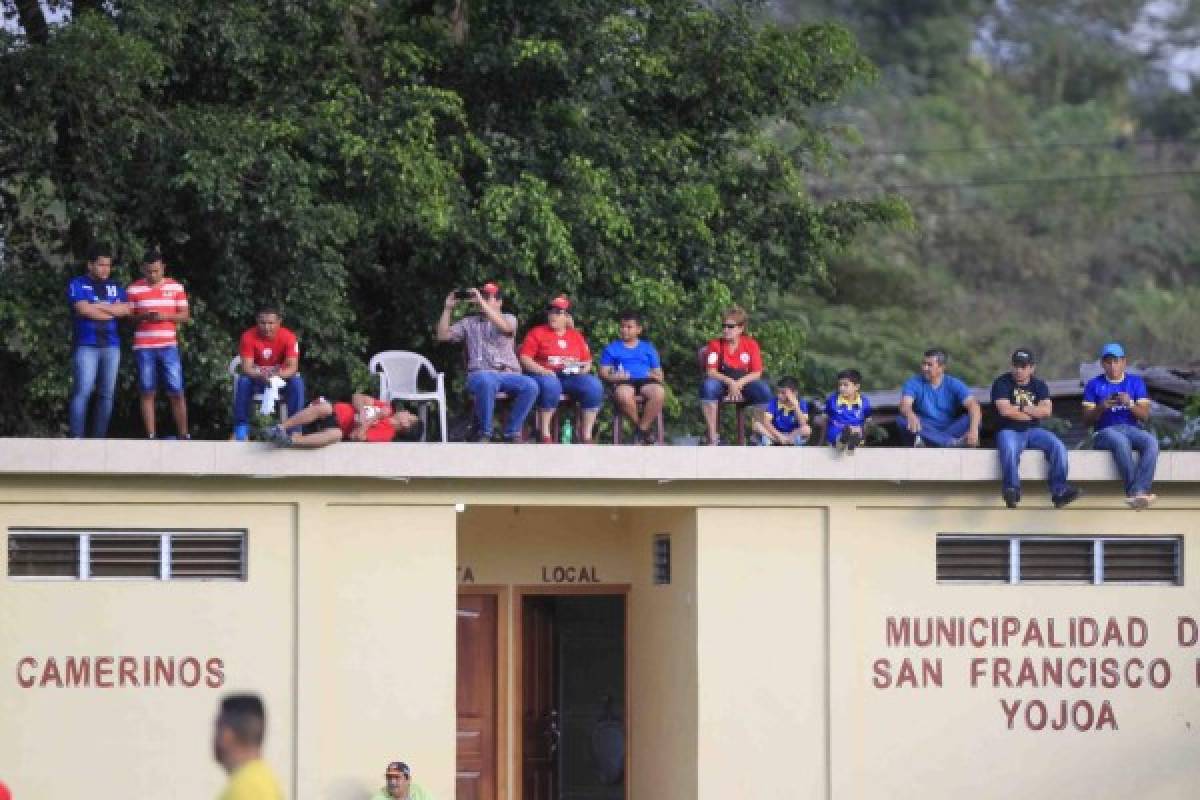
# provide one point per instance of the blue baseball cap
(1112, 349)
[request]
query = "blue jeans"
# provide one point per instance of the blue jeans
(756, 393)
(584, 389)
(1121, 441)
(935, 434)
(1010, 444)
(483, 385)
(292, 393)
(151, 361)
(94, 370)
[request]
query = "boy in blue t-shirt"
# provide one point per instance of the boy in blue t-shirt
(631, 367)
(785, 419)
(847, 411)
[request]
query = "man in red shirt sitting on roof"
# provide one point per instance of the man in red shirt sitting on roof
(363, 419)
(268, 349)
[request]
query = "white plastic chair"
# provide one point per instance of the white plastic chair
(399, 371)
(235, 371)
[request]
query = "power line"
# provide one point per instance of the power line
(1119, 143)
(960, 185)
(993, 209)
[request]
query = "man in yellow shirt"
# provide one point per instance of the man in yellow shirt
(237, 746)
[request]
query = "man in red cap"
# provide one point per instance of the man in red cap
(399, 785)
(492, 364)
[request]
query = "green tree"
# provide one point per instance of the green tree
(352, 160)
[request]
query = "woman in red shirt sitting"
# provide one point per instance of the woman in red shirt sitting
(557, 356)
(732, 370)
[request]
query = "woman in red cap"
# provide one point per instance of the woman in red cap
(557, 356)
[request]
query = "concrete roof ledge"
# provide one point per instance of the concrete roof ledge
(41, 457)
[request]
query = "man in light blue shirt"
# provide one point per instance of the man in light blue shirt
(937, 409)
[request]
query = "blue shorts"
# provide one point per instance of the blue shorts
(151, 361)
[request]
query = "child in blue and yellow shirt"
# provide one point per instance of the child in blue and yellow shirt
(847, 410)
(785, 420)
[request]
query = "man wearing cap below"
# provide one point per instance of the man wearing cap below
(492, 364)
(1117, 403)
(1023, 401)
(399, 784)
(237, 746)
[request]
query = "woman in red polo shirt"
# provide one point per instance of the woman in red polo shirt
(557, 356)
(732, 370)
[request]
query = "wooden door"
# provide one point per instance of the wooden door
(476, 705)
(539, 717)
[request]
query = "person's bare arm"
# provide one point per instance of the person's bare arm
(493, 315)
(1092, 412)
(1006, 409)
(534, 368)
(657, 374)
(1141, 409)
(1042, 410)
(975, 418)
(906, 411)
(291, 365)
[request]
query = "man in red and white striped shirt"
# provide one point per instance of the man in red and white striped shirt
(159, 305)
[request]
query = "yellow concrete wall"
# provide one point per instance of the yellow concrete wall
(662, 661)
(950, 742)
(379, 627)
(140, 742)
(761, 653)
(511, 545)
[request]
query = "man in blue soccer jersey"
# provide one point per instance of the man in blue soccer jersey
(1117, 403)
(630, 365)
(846, 412)
(936, 409)
(97, 302)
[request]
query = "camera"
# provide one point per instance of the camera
(462, 294)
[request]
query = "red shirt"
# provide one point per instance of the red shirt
(378, 431)
(269, 352)
(167, 297)
(553, 349)
(745, 357)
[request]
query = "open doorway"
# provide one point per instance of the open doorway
(573, 729)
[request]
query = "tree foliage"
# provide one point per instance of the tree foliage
(353, 160)
(1052, 174)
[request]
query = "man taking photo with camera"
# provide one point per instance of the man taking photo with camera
(492, 364)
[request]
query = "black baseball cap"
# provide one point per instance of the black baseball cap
(1023, 357)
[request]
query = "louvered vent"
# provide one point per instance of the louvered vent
(1134, 561)
(972, 559)
(124, 556)
(208, 557)
(35, 555)
(1057, 560)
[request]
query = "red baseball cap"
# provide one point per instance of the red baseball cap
(560, 302)
(491, 287)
